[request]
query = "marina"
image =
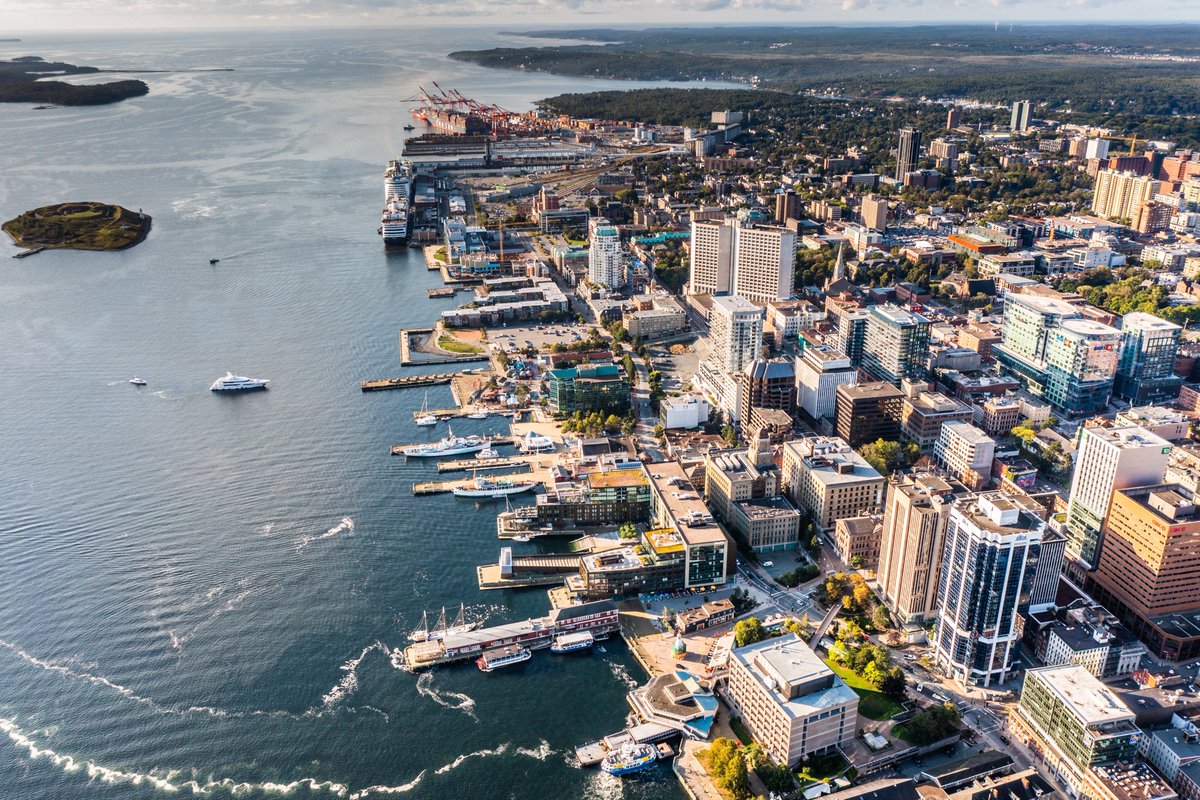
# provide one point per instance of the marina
(406, 382)
(527, 479)
(468, 464)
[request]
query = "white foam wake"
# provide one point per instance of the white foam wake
(454, 700)
(348, 685)
(167, 781)
(347, 525)
(179, 640)
(621, 673)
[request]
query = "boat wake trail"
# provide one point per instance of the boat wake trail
(621, 673)
(245, 590)
(455, 700)
(348, 685)
(347, 525)
(168, 781)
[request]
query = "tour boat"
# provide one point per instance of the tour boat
(502, 657)
(449, 445)
(570, 642)
(629, 758)
(488, 486)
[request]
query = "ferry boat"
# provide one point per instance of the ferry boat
(237, 383)
(449, 445)
(425, 419)
(629, 758)
(506, 656)
(488, 486)
(570, 642)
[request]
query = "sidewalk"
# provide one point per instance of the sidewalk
(690, 772)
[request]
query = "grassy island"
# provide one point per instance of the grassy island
(79, 226)
(22, 81)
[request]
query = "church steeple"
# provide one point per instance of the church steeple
(839, 268)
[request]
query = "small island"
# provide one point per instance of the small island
(23, 80)
(78, 226)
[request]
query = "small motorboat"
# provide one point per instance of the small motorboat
(410, 127)
(136, 381)
(214, 260)
(487, 452)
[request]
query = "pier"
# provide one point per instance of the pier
(494, 441)
(441, 487)
(469, 464)
(593, 753)
(407, 381)
(526, 571)
(442, 291)
(457, 413)
(32, 252)
(599, 617)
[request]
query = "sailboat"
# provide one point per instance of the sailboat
(441, 630)
(421, 632)
(425, 419)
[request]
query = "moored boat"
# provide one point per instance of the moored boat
(449, 445)
(488, 486)
(570, 642)
(506, 656)
(629, 758)
(425, 419)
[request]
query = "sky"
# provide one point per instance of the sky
(63, 15)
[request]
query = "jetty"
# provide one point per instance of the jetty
(469, 464)
(526, 571)
(599, 617)
(32, 252)
(441, 487)
(494, 441)
(407, 381)
(407, 350)
(442, 291)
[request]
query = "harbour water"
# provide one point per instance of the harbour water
(200, 592)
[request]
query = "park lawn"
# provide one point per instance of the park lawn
(452, 345)
(872, 703)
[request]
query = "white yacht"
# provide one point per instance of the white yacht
(425, 419)
(488, 486)
(238, 383)
(449, 445)
(487, 452)
(136, 381)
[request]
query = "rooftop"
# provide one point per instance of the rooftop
(795, 676)
(617, 478)
(767, 508)
(1088, 699)
(734, 304)
(967, 432)
(1142, 321)
(691, 516)
(1127, 437)
(870, 390)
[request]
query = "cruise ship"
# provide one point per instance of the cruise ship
(449, 445)
(397, 198)
(237, 383)
(488, 486)
(503, 657)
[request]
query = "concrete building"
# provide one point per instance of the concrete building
(820, 370)
(1019, 122)
(734, 476)
(1149, 571)
(907, 152)
(686, 411)
(1058, 355)
(915, 513)
(606, 262)
(923, 414)
(1146, 366)
(1107, 460)
(826, 478)
(966, 453)
(1000, 415)
(735, 331)
(589, 387)
(852, 333)
(752, 261)
(787, 206)
(896, 345)
(790, 700)
(1171, 748)
(654, 316)
(874, 213)
(1169, 423)
(868, 411)
(1085, 734)
(1096, 648)
(767, 524)
(857, 540)
(1120, 194)
(991, 552)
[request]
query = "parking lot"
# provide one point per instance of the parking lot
(514, 338)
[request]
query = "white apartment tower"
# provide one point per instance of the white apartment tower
(605, 263)
(736, 332)
(755, 262)
(1108, 459)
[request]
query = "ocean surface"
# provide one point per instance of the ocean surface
(199, 593)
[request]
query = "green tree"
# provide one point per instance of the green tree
(748, 631)
(729, 434)
(628, 530)
(880, 618)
